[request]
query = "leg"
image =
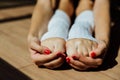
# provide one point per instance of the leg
(58, 27)
(102, 22)
(67, 6)
(61, 19)
(81, 41)
(84, 36)
(42, 10)
(84, 5)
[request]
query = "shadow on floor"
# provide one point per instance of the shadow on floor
(16, 18)
(8, 72)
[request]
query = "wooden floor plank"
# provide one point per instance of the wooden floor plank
(13, 43)
(71, 74)
(15, 12)
(115, 71)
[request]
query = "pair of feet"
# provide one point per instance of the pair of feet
(79, 53)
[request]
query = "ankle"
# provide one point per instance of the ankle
(84, 5)
(67, 6)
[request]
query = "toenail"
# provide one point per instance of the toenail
(61, 54)
(74, 57)
(47, 51)
(67, 59)
(93, 54)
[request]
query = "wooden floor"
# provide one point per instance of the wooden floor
(15, 61)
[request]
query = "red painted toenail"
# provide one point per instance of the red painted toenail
(67, 59)
(61, 55)
(74, 57)
(47, 51)
(93, 54)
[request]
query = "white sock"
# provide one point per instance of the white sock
(83, 26)
(58, 26)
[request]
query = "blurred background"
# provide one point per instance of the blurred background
(15, 9)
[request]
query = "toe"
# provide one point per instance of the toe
(71, 48)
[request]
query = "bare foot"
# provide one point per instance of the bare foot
(80, 46)
(80, 54)
(101, 49)
(55, 46)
